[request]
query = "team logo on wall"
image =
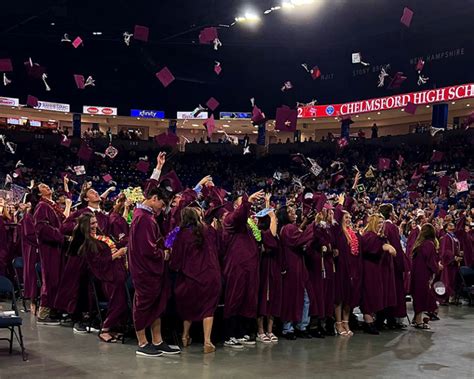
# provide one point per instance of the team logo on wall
(329, 110)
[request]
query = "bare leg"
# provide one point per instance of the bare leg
(270, 325)
(141, 336)
(260, 325)
(368, 318)
(156, 332)
(338, 314)
(186, 327)
(346, 311)
(419, 318)
(207, 325)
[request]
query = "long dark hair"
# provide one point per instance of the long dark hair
(82, 241)
(283, 218)
(190, 219)
(427, 233)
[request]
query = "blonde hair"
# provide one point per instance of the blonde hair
(372, 223)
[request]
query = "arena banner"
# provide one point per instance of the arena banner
(147, 113)
(190, 116)
(235, 115)
(10, 101)
(55, 107)
(102, 111)
(438, 95)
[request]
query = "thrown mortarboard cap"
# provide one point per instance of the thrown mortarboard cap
(286, 119)
(141, 33)
(420, 65)
(217, 68)
(384, 164)
(171, 182)
(107, 178)
(437, 156)
(167, 139)
(212, 104)
(462, 186)
(36, 71)
(208, 35)
(77, 42)
(463, 175)
(32, 101)
(356, 58)
(165, 76)
(80, 81)
(336, 179)
(442, 213)
(6, 65)
(143, 166)
(111, 152)
(321, 202)
(397, 81)
(210, 125)
(10, 147)
(411, 108)
(66, 142)
(444, 181)
(79, 170)
(257, 116)
(85, 152)
(407, 16)
(315, 72)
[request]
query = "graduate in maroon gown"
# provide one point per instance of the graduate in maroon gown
(29, 245)
(426, 266)
(400, 265)
(270, 288)
(198, 283)
(465, 235)
(48, 218)
(240, 272)
(107, 263)
(451, 259)
(374, 247)
(118, 227)
(348, 269)
(147, 260)
(4, 253)
(298, 292)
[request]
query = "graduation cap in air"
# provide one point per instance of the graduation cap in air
(143, 166)
(217, 68)
(212, 104)
(444, 182)
(384, 164)
(463, 175)
(34, 70)
(286, 119)
(437, 156)
(107, 178)
(167, 139)
(257, 116)
(171, 182)
(407, 17)
(85, 152)
(208, 35)
(165, 76)
(79, 170)
(410, 108)
(6, 65)
(210, 125)
(141, 33)
(77, 42)
(32, 101)
(397, 81)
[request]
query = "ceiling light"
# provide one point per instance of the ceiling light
(453, 102)
(357, 115)
(226, 126)
(427, 106)
(314, 119)
(220, 131)
(403, 109)
(195, 125)
(248, 16)
(368, 118)
(378, 112)
(53, 24)
(97, 33)
(255, 132)
(468, 105)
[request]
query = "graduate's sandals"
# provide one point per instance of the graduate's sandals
(263, 338)
(186, 341)
(349, 332)
(209, 348)
(109, 339)
(422, 325)
(272, 337)
(340, 333)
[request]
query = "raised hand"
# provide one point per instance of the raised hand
(160, 160)
(256, 196)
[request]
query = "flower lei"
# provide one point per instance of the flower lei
(135, 195)
(354, 242)
(171, 237)
(107, 240)
(257, 234)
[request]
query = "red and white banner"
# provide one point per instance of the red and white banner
(11, 101)
(102, 111)
(438, 95)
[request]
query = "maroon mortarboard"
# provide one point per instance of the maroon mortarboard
(437, 156)
(36, 71)
(315, 72)
(411, 108)
(463, 175)
(413, 195)
(348, 202)
(257, 116)
(407, 16)
(85, 152)
(77, 42)
(286, 119)
(80, 81)
(32, 101)
(167, 139)
(442, 213)
(420, 65)
(444, 181)
(172, 181)
(298, 158)
(336, 179)
(165, 76)
(6, 65)
(212, 104)
(397, 81)
(320, 203)
(143, 166)
(66, 142)
(384, 164)
(210, 125)
(208, 35)
(141, 33)
(107, 178)
(217, 68)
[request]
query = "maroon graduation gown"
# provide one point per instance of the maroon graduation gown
(240, 264)
(449, 249)
(425, 266)
(118, 229)
(296, 279)
(466, 241)
(4, 253)
(412, 236)
(29, 245)
(50, 239)
(112, 275)
(270, 288)
(148, 269)
(372, 299)
(198, 281)
(321, 271)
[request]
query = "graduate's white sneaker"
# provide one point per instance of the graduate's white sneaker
(245, 340)
(233, 343)
(148, 350)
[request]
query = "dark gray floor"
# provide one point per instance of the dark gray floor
(445, 351)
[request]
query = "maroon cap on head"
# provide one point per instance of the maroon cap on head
(141, 33)
(6, 65)
(212, 104)
(85, 152)
(32, 101)
(167, 139)
(165, 77)
(208, 35)
(143, 166)
(407, 16)
(442, 213)
(210, 125)
(397, 81)
(80, 81)
(172, 180)
(286, 119)
(411, 108)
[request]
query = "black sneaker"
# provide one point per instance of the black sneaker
(233, 343)
(318, 332)
(48, 321)
(302, 334)
(149, 350)
(164, 348)
(67, 322)
(370, 328)
(289, 336)
(79, 328)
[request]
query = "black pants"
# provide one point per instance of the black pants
(238, 326)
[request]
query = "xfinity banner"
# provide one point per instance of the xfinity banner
(147, 114)
(55, 107)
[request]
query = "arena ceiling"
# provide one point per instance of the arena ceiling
(255, 60)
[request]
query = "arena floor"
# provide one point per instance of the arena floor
(445, 351)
